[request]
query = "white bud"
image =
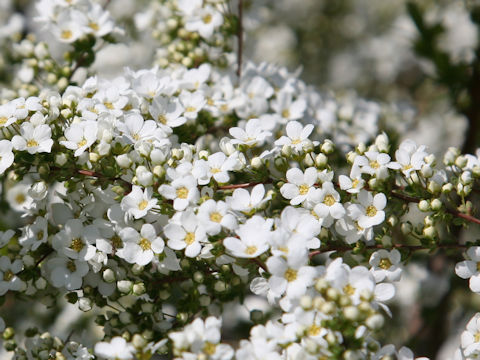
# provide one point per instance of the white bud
(351, 156)
(382, 142)
(220, 286)
(321, 160)
(306, 302)
(461, 161)
(139, 289)
(287, 150)
(84, 304)
(158, 156)
(28, 261)
(256, 163)
(447, 188)
(93, 157)
(308, 161)
(424, 205)
(307, 146)
(429, 232)
(361, 148)
(466, 178)
(203, 154)
(177, 154)
(40, 283)
(436, 204)
(226, 146)
(351, 312)
(123, 161)
(375, 322)
(430, 159)
(327, 147)
(144, 177)
(124, 286)
(125, 317)
(434, 187)
(61, 159)
(108, 275)
(450, 156)
(38, 191)
(426, 171)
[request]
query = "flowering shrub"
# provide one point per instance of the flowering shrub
(154, 199)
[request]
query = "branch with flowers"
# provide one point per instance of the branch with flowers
(150, 204)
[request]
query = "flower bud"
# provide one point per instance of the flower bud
(461, 161)
(327, 147)
(426, 171)
(351, 313)
(123, 161)
(429, 232)
(84, 304)
(321, 161)
(124, 286)
(466, 178)
(436, 204)
(61, 159)
(424, 205)
(139, 289)
(375, 322)
(256, 163)
(108, 275)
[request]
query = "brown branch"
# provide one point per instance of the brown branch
(101, 176)
(379, 246)
(260, 263)
(240, 38)
(241, 186)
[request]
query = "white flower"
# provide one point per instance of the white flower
(386, 265)
(242, 200)
(329, 206)
(140, 248)
(80, 136)
(187, 234)
(217, 166)
(33, 139)
(34, 234)
(214, 215)
(369, 212)
(166, 111)
(117, 348)
(68, 273)
(289, 109)
(75, 241)
(253, 135)
(136, 129)
(373, 163)
(8, 271)
(352, 186)
(70, 26)
(470, 269)
(183, 191)
(201, 340)
(290, 276)
(192, 103)
(204, 21)
(99, 22)
(410, 156)
(7, 114)
(470, 338)
(138, 202)
(6, 155)
(254, 238)
(297, 135)
(300, 185)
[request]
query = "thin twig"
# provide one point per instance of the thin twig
(240, 38)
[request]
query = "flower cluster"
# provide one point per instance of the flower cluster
(157, 197)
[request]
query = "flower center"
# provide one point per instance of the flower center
(94, 26)
(40, 235)
(190, 238)
(20, 198)
(374, 164)
(290, 275)
(286, 113)
(329, 200)
(304, 189)
(77, 245)
(216, 217)
(182, 192)
(407, 167)
(209, 348)
(250, 250)
(296, 141)
(215, 170)
(349, 289)
(71, 266)
(371, 211)
(82, 143)
(190, 109)
(355, 183)
(162, 119)
(108, 105)
(313, 330)
(32, 143)
(477, 336)
(145, 244)
(66, 34)
(3, 120)
(143, 204)
(8, 275)
(207, 19)
(385, 264)
(117, 242)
